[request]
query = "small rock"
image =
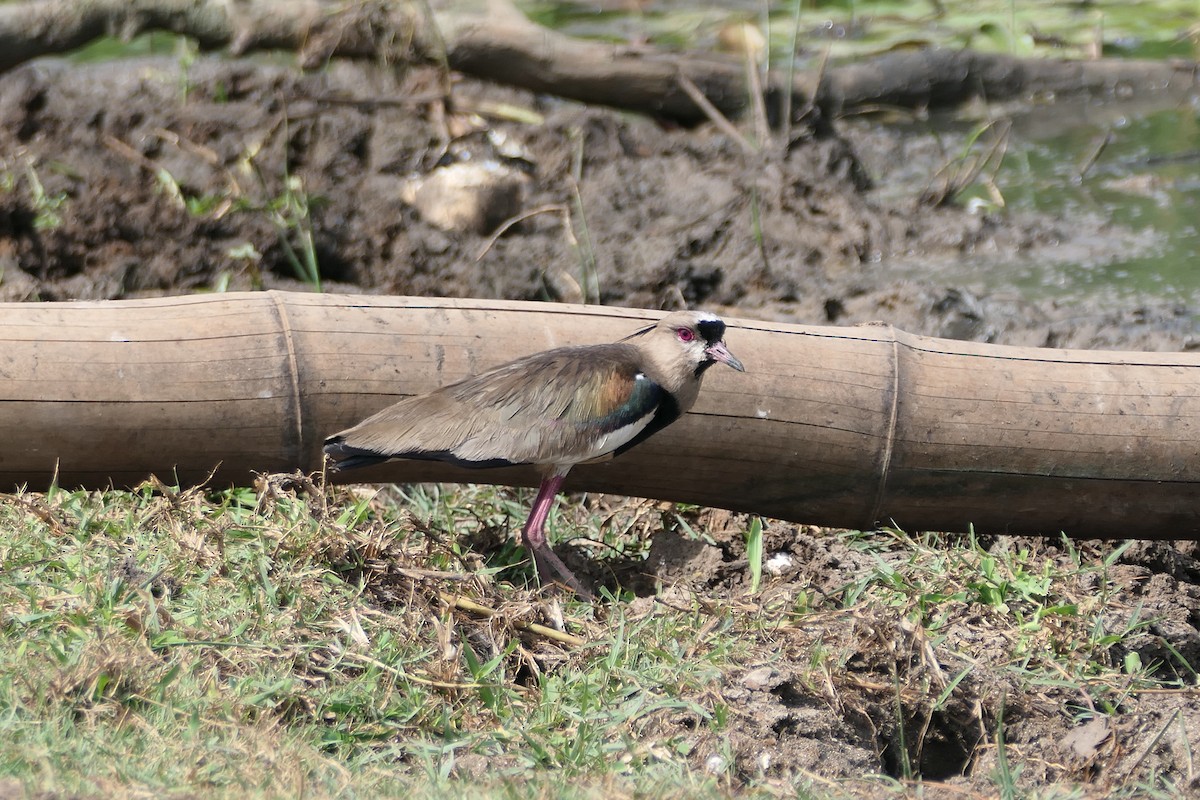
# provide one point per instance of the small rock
(470, 196)
(758, 678)
(562, 286)
(1086, 739)
(778, 564)
(743, 38)
(471, 765)
(16, 285)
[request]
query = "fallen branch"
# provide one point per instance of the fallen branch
(490, 39)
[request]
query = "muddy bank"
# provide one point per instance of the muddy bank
(152, 177)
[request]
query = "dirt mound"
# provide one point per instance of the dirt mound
(158, 176)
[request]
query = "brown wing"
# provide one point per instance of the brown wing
(558, 407)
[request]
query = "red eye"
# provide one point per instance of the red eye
(685, 334)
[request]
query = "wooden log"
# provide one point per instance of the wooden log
(837, 426)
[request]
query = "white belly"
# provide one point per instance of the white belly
(611, 441)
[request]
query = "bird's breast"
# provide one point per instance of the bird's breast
(605, 443)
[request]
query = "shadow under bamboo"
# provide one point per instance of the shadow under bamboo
(848, 427)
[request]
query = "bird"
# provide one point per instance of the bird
(553, 409)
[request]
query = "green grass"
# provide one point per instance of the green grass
(1058, 613)
(47, 208)
(285, 204)
(240, 642)
(291, 640)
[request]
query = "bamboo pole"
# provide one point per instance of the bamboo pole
(836, 426)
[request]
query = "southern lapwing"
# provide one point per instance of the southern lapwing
(553, 409)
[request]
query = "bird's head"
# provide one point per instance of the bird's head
(683, 344)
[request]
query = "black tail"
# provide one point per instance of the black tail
(345, 456)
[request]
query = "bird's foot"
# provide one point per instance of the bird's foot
(547, 563)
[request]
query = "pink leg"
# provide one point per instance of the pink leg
(533, 535)
(534, 532)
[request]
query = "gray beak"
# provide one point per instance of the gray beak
(719, 352)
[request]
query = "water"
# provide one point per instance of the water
(1125, 180)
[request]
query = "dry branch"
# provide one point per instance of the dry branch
(837, 426)
(490, 39)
